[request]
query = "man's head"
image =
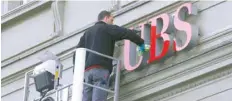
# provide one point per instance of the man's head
(106, 17)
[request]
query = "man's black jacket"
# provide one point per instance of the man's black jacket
(101, 38)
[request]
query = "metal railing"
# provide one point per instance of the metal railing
(78, 77)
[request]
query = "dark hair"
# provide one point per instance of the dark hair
(103, 14)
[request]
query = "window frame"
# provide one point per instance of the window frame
(6, 6)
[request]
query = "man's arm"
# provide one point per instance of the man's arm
(120, 33)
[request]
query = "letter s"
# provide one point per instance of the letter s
(191, 31)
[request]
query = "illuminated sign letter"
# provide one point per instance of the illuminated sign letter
(161, 40)
(130, 53)
(191, 31)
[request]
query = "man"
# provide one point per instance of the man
(101, 38)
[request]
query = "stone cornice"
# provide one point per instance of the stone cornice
(196, 83)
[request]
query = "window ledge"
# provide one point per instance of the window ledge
(21, 10)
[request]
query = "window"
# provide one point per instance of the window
(117, 4)
(124, 3)
(4, 7)
(13, 4)
(10, 5)
(26, 1)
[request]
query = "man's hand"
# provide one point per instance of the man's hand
(143, 48)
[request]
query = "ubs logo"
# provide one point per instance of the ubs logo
(166, 34)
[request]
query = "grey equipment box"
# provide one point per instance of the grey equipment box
(44, 82)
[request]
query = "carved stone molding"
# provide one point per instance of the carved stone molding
(202, 81)
(58, 14)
